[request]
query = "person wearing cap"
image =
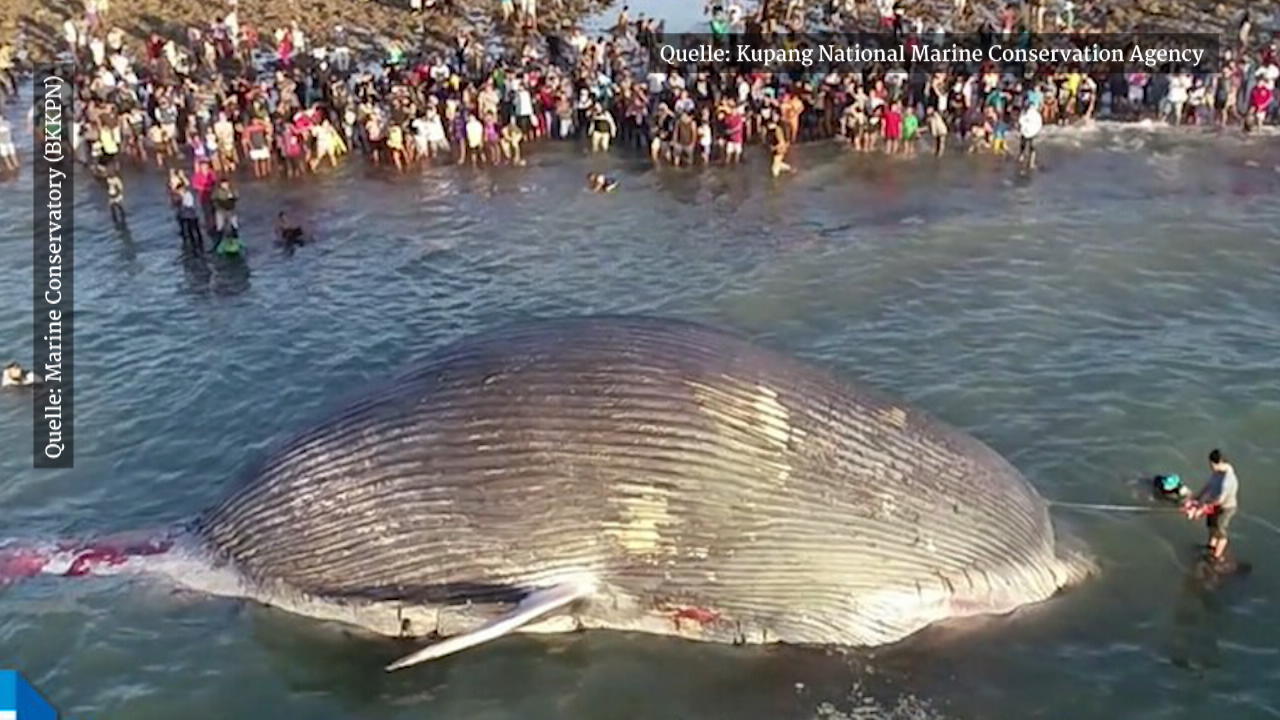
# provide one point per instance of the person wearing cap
(1171, 488)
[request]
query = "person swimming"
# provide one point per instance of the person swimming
(289, 232)
(1171, 488)
(597, 182)
(16, 376)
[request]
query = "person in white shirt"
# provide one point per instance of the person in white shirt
(1177, 98)
(1029, 124)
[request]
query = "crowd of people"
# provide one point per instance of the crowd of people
(229, 102)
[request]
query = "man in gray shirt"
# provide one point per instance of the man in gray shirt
(1217, 501)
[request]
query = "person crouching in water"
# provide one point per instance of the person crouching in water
(597, 182)
(16, 376)
(1170, 488)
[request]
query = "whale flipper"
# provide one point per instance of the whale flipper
(534, 605)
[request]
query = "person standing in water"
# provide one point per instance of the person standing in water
(115, 198)
(188, 212)
(603, 129)
(224, 207)
(1217, 502)
(8, 152)
(776, 138)
(1029, 124)
(939, 130)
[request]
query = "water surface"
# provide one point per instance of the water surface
(1116, 315)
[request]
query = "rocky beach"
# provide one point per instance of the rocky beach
(371, 24)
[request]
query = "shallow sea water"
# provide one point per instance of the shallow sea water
(1117, 314)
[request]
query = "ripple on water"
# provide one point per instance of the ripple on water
(1112, 318)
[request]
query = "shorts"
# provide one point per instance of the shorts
(1219, 522)
(259, 154)
(7, 150)
(733, 147)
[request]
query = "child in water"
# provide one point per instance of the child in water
(597, 182)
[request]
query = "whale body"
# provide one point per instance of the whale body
(640, 474)
(624, 473)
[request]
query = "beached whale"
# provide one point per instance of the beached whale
(621, 473)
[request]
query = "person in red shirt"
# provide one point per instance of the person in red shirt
(892, 128)
(155, 47)
(735, 126)
(547, 102)
(1259, 100)
(292, 149)
(285, 51)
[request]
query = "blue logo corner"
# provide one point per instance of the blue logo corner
(19, 700)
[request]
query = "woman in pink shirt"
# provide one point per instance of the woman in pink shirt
(203, 180)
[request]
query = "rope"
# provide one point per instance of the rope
(1113, 508)
(1262, 522)
(1152, 508)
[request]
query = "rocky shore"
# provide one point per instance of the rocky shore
(371, 23)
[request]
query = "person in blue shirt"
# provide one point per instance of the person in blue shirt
(1035, 97)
